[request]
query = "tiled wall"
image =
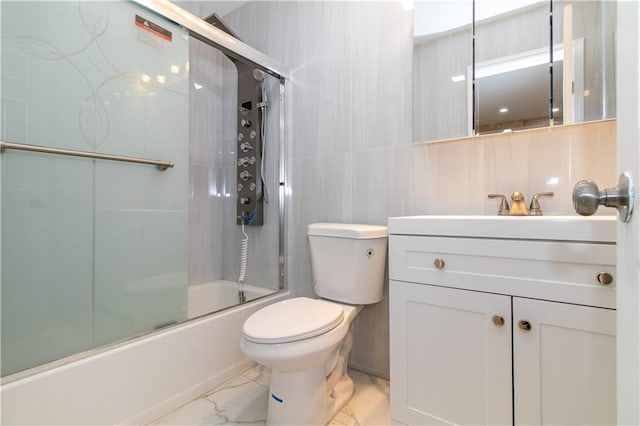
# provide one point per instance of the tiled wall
(351, 152)
(460, 173)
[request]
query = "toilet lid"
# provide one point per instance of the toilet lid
(291, 320)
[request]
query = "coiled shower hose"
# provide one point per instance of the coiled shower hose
(244, 250)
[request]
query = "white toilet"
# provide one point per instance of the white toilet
(306, 342)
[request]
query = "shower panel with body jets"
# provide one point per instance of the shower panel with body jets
(252, 108)
(250, 149)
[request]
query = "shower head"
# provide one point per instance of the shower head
(258, 74)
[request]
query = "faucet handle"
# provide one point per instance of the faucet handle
(534, 208)
(503, 210)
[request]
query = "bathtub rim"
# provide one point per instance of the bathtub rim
(260, 291)
(138, 338)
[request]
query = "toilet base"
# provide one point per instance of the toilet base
(301, 398)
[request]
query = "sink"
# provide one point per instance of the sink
(557, 228)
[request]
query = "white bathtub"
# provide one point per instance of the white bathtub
(138, 381)
(218, 295)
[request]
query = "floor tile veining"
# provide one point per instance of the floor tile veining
(243, 401)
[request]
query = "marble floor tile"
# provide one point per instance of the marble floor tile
(369, 405)
(243, 400)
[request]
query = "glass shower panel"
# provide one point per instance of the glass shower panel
(47, 259)
(92, 250)
(47, 202)
(216, 156)
(141, 213)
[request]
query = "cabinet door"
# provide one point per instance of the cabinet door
(450, 362)
(565, 365)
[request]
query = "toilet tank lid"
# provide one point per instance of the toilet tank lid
(347, 230)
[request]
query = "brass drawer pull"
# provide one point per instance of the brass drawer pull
(524, 325)
(605, 278)
(498, 320)
(438, 263)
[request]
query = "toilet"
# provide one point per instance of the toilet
(306, 342)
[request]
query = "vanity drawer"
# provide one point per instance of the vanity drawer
(571, 272)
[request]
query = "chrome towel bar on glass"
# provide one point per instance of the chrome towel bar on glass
(162, 165)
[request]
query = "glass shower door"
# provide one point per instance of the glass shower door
(92, 251)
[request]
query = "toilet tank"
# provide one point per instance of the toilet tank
(348, 261)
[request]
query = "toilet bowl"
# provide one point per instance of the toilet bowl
(301, 364)
(306, 342)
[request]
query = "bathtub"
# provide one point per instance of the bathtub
(218, 295)
(137, 381)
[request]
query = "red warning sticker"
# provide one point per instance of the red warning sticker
(153, 28)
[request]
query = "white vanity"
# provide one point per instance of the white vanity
(501, 320)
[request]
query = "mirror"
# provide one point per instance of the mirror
(511, 65)
(584, 58)
(442, 57)
(514, 88)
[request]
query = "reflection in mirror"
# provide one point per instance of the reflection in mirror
(512, 65)
(584, 65)
(442, 69)
(513, 89)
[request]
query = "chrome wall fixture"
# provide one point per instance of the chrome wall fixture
(160, 164)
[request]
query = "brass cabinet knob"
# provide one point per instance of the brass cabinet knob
(524, 325)
(498, 320)
(605, 278)
(438, 263)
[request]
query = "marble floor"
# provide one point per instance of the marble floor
(243, 401)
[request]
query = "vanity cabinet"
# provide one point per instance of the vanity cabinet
(449, 361)
(487, 330)
(564, 367)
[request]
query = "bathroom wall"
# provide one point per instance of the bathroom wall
(460, 173)
(352, 159)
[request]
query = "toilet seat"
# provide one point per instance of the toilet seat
(292, 320)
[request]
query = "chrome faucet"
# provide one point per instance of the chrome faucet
(503, 210)
(518, 206)
(534, 207)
